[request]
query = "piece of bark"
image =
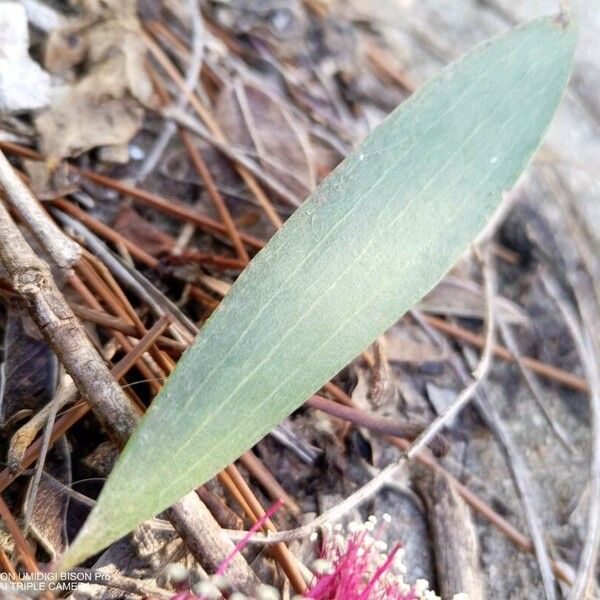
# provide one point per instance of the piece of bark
(189, 514)
(224, 515)
(453, 536)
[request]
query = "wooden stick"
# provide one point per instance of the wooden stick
(64, 251)
(32, 279)
(453, 535)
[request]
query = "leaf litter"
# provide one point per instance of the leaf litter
(105, 37)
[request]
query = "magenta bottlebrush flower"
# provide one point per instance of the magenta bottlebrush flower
(356, 567)
(352, 565)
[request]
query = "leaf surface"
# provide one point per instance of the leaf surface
(371, 241)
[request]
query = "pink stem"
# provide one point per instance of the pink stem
(378, 573)
(185, 594)
(244, 541)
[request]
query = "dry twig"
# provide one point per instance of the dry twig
(32, 279)
(64, 252)
(454, 539)
(515, 462)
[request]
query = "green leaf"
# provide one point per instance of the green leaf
(375, 236)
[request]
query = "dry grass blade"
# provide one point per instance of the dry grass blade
(218, 135)
(516, 463)
(65, 382)
(190, 82)
(79, 410)
(511, 532)
(523, 483)
(533, 385)
(590, 359)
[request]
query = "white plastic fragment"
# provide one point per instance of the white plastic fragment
(24, 85)
(43, 16)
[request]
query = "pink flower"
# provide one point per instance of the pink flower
(352, 565)
(356, 567)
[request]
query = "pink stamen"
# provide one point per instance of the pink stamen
(354, 575)
(186, 594)
(244, 541)
(379, 572)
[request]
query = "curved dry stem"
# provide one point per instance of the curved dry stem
(479, 374)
